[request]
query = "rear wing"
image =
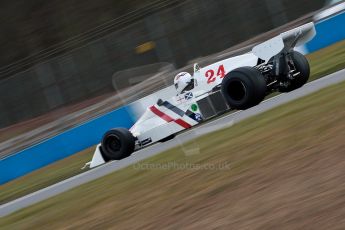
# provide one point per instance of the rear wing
(287, 40)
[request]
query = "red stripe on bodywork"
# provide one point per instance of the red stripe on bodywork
(162, 115)
(183, 123)
(167, 118)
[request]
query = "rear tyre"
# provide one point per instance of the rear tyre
(302, 66)
(117, 144)
(243, 88)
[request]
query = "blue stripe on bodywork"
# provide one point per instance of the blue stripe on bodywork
(173, 108)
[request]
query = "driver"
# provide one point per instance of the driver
(183, 82)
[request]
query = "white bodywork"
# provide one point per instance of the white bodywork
(166, 118)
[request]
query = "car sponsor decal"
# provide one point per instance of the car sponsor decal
(145, 142)
(167, 118)
(180, 99)
(194, 107)
(195, 116)
(198, 117)
(188, 96)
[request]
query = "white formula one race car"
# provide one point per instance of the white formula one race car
(238, 82)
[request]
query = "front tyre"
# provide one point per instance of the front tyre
(243, 88)
(302, 66)
(117, 144)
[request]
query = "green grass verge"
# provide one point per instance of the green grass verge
(327, 60)
(322, 62)
(294, 136)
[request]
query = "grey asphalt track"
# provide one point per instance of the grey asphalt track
(217, 124)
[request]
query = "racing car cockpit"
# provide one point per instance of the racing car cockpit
(183, 82)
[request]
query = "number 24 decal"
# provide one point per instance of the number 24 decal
(210, 74)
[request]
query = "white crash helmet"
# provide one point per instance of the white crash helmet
(183, 82)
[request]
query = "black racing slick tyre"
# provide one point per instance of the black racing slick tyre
(302, 66)
(243, 88)
(117, 144)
